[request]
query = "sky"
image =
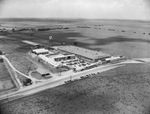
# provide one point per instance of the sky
(88, 9)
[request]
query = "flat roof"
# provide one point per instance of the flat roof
(41, 50)
(57, 56)
(87, 53)
(60, 55)
(49, 60)
(51, 52)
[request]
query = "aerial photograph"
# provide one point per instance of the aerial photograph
(74, 57)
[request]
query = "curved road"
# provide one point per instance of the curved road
(33, 79)
(58, 81)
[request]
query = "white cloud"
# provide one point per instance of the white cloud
(120, 9)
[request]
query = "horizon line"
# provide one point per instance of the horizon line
(58, 18)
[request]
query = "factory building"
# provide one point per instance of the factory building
(83, 53)
(51, 58)
(40, 51)
(63, 58)
(48, 61)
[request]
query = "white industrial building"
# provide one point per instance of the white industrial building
(40, 51)
(50, 57)
(113, 58)
(85, 53)
(49, 61)
(72, 57)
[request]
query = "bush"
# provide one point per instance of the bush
(27, 82)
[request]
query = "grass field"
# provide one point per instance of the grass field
(109, 92)
(128, 38)
(6, 82)
(21, 78)
(123, 90)
(4, 74)
(36, 75)
(21, 63)
(8, 45)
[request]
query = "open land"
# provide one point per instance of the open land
(98, 36)
(118, 91)
(122, 90)
(20, 62)
(6, 82)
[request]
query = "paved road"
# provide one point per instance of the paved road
(14, 69)
(13, 74)
(60, 80)
(52, 83)
(147, 60)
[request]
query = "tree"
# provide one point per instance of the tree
(13, 30)
(1, 60)
(1, 53)
(63, 43)
(75, 43)
(27, 82)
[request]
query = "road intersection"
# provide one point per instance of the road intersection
(39, 85)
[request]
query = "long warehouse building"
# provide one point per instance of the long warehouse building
(86, 53)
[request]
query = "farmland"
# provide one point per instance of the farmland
(128, 38)
(121, 90)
